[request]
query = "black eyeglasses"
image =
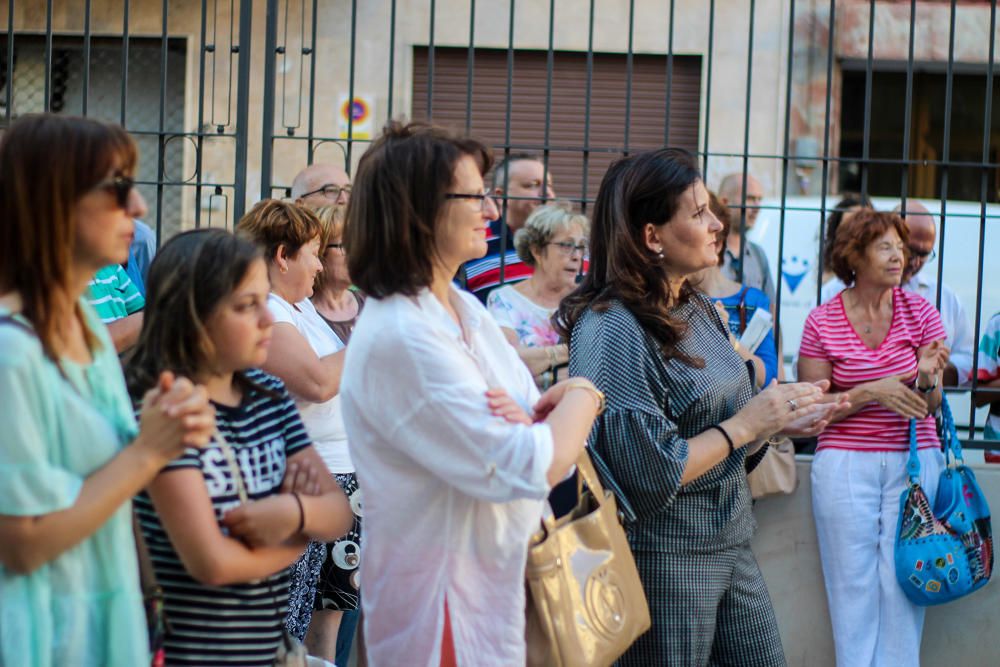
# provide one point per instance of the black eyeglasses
(481, 197)
(926, 255)
(335, 246)
(330, 191)
(119, 186)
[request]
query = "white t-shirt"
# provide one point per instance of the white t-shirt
(324, 421)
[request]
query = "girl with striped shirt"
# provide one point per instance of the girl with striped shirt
(222, 562)
(884, 348)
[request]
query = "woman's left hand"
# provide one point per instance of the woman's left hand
(265, 522)
(933, 360)
(502, 405)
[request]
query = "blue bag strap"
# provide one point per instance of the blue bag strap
(949, 434)
(913, 464)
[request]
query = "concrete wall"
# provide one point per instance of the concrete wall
(960, 633)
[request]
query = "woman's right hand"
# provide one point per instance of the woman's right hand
(176, 414)
(777, 406)
(893, 395)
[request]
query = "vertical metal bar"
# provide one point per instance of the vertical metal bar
(866, 143)
(826, 150)
(47, 103)
(946, 153)
(430, 65)
(10, 61)
(708, 86)
(983, 189)
(628, 74)
(86, 56)
(586, 108)
(243, 111)
(350, 85)
(904, 185)
(470, 66)
(506, 140)
(200, 141)
(549, 66)
(161, 121)
(670, 77)
(124, 76)
(313, 52)
(267, 113)
(785, 164)
(746, 148)
(392, 55)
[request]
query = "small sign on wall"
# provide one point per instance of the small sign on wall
(361, 109)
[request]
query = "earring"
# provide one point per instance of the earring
(283, 269)
(659, 253)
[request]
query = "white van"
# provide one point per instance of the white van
(958, 258)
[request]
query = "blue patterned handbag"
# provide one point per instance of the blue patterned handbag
(945, 553)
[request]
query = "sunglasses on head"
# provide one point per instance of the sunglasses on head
(119, 186)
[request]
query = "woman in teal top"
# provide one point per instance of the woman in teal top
(69, 587)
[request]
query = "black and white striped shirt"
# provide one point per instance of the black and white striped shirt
(653, 406)
(239, 624)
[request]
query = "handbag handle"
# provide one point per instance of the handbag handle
(949, 440)
(913, 463)
(587, 474)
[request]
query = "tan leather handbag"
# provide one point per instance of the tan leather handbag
(586, 604)
(776, 472)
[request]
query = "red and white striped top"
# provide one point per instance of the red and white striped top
(828, 335)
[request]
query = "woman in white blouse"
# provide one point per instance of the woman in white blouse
(554, 242)
(437, 408)
(308, 357)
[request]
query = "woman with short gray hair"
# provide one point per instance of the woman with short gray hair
(553, 242)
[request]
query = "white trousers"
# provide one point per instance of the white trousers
(855, 499)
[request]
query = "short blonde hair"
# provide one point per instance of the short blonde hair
(331, 223)
(544, 223)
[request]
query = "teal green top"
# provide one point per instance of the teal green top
(85, 607)
(113, 295)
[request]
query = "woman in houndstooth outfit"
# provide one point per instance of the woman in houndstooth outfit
(682, 424)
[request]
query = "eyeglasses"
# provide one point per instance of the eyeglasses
(335, 246)
(119, 186)
(567, 248)
(482, 197)
(925, 255)
(330, 191)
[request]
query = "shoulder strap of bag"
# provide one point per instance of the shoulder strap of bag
(949, 434)
(603, 472)
(913, 464)
(741, 308)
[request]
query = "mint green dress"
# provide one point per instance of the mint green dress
(85, 607)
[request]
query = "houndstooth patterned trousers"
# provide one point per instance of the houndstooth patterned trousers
(706, 609)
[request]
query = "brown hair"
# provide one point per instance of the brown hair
(637, 190)
(856, 234)
(722, 212)
(272, 223)
(47, 164)
(399, 192)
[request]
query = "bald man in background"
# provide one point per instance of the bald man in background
(755, 267)
(321, 184)
(922, 242)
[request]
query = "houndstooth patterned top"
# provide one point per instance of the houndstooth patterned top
(653, 406)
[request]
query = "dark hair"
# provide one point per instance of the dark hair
(399, 191)
(47, 164)
(637, 190)
(192, 273)
(502, 168)
(272, 223)
(721, 211)
(847, 202)
(859, 232)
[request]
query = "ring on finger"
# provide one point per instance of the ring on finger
(792, 404)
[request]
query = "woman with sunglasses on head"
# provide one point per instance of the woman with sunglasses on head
(72, 455)
(683, 422)
(224, 524)
(436, 404)
(553, 242)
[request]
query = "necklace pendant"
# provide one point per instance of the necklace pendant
(868, 329)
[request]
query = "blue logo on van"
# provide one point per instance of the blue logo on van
(794, 269)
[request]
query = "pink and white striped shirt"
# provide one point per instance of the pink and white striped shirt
(829, 336)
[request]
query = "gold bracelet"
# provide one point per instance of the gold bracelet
(583, 384)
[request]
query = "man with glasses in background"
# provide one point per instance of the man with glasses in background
(756, 270)
(523, 180)
(321, 184)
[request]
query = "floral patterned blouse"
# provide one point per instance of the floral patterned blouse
(531, 322)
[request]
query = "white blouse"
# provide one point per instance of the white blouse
(453, 493)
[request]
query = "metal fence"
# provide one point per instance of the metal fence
(221, 119)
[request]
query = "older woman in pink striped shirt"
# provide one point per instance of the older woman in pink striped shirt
(885, 348)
